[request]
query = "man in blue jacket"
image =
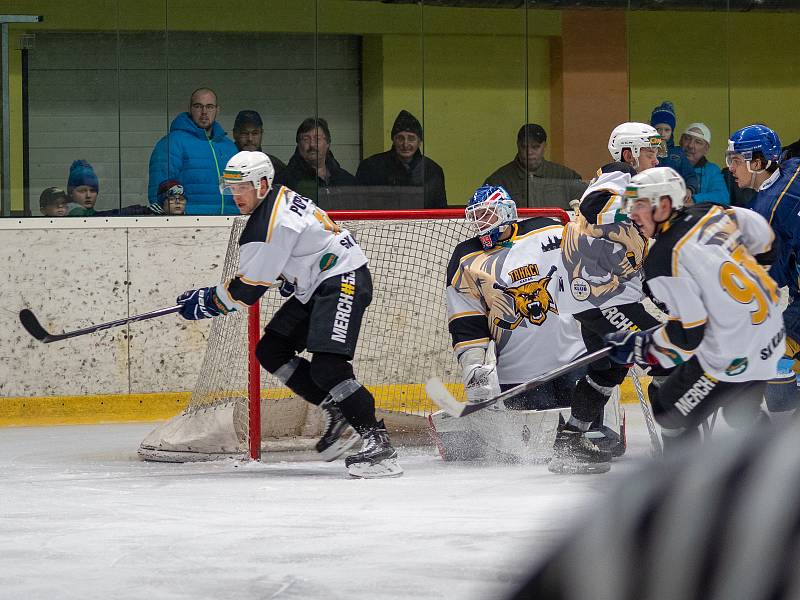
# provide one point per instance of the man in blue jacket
(195, 152)
(753, 157)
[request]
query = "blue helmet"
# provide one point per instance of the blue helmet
(489, 211)
(751, 139)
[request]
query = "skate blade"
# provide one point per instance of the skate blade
(565, 467)
(385, 468)
(340, 447)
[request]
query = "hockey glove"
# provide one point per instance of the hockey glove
(631, 347)
(286, 289)
(201, 304)
(481, 383)
(480, 378)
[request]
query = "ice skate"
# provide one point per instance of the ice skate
(338, 436)
(574, 453)
(377, 457)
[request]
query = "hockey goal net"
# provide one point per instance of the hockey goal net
(237, 408)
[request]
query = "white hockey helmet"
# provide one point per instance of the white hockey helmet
(655, 183)
(633, 136)
(248, 166)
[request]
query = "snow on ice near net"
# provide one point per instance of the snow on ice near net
(82, 517)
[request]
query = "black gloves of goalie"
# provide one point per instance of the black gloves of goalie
(201, 304)
(631, 347)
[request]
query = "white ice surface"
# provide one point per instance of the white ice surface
(82, 517)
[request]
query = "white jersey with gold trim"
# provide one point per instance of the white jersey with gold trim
(290, 237)
(511, 294)
(723, 306)
(603, 250)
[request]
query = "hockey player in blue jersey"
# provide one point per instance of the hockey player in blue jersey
(753, 157)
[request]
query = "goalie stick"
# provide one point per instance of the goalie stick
(32, 325)
(445, 400)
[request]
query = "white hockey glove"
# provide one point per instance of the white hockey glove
(479, 372)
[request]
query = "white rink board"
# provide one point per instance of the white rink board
(77, 272)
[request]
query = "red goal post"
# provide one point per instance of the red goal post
(404, 337)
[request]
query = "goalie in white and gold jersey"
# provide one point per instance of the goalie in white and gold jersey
(504, 291)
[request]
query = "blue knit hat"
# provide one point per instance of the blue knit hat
(82, 173)
(663, 113)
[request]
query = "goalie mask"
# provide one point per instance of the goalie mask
(247, 169)
(655, 183)
(490, 210)
(633, 136)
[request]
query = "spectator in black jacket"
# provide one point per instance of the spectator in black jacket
(404, 165)
(312, 165)
(248, 129)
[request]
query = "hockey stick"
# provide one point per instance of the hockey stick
(655, 442)
(445, 400)
(32, 325)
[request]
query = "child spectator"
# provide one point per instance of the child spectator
(671, 155)
(82, 187)
(171, 197)
(53, 202)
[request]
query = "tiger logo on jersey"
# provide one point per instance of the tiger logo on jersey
(532, 300)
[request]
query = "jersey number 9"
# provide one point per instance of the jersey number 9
(748, 282)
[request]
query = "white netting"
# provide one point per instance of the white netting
(404, 338)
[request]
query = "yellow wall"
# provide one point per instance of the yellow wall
(726, 70)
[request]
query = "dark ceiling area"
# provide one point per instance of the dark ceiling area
(704, 5)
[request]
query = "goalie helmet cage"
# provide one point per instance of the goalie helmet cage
(404, 340)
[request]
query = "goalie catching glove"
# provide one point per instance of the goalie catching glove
(479, 373)
(202, 303)
(631, 347)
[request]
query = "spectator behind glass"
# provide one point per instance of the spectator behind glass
(170, 197)
(534, 181)
(82, 189)
(195, 152)
(663, 119)
(312, 165)
(404, 165)
(248, 129)
(695, 141)
(53, 202)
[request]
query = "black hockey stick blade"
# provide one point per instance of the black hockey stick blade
(442, 397)
(32, 325)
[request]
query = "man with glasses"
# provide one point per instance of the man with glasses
(195, 152)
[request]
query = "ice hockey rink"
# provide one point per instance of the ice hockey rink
(82, 517)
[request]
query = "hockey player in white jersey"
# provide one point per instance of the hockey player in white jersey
(603, 253)
(323, 273)
(502, 288)
(725, 333)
